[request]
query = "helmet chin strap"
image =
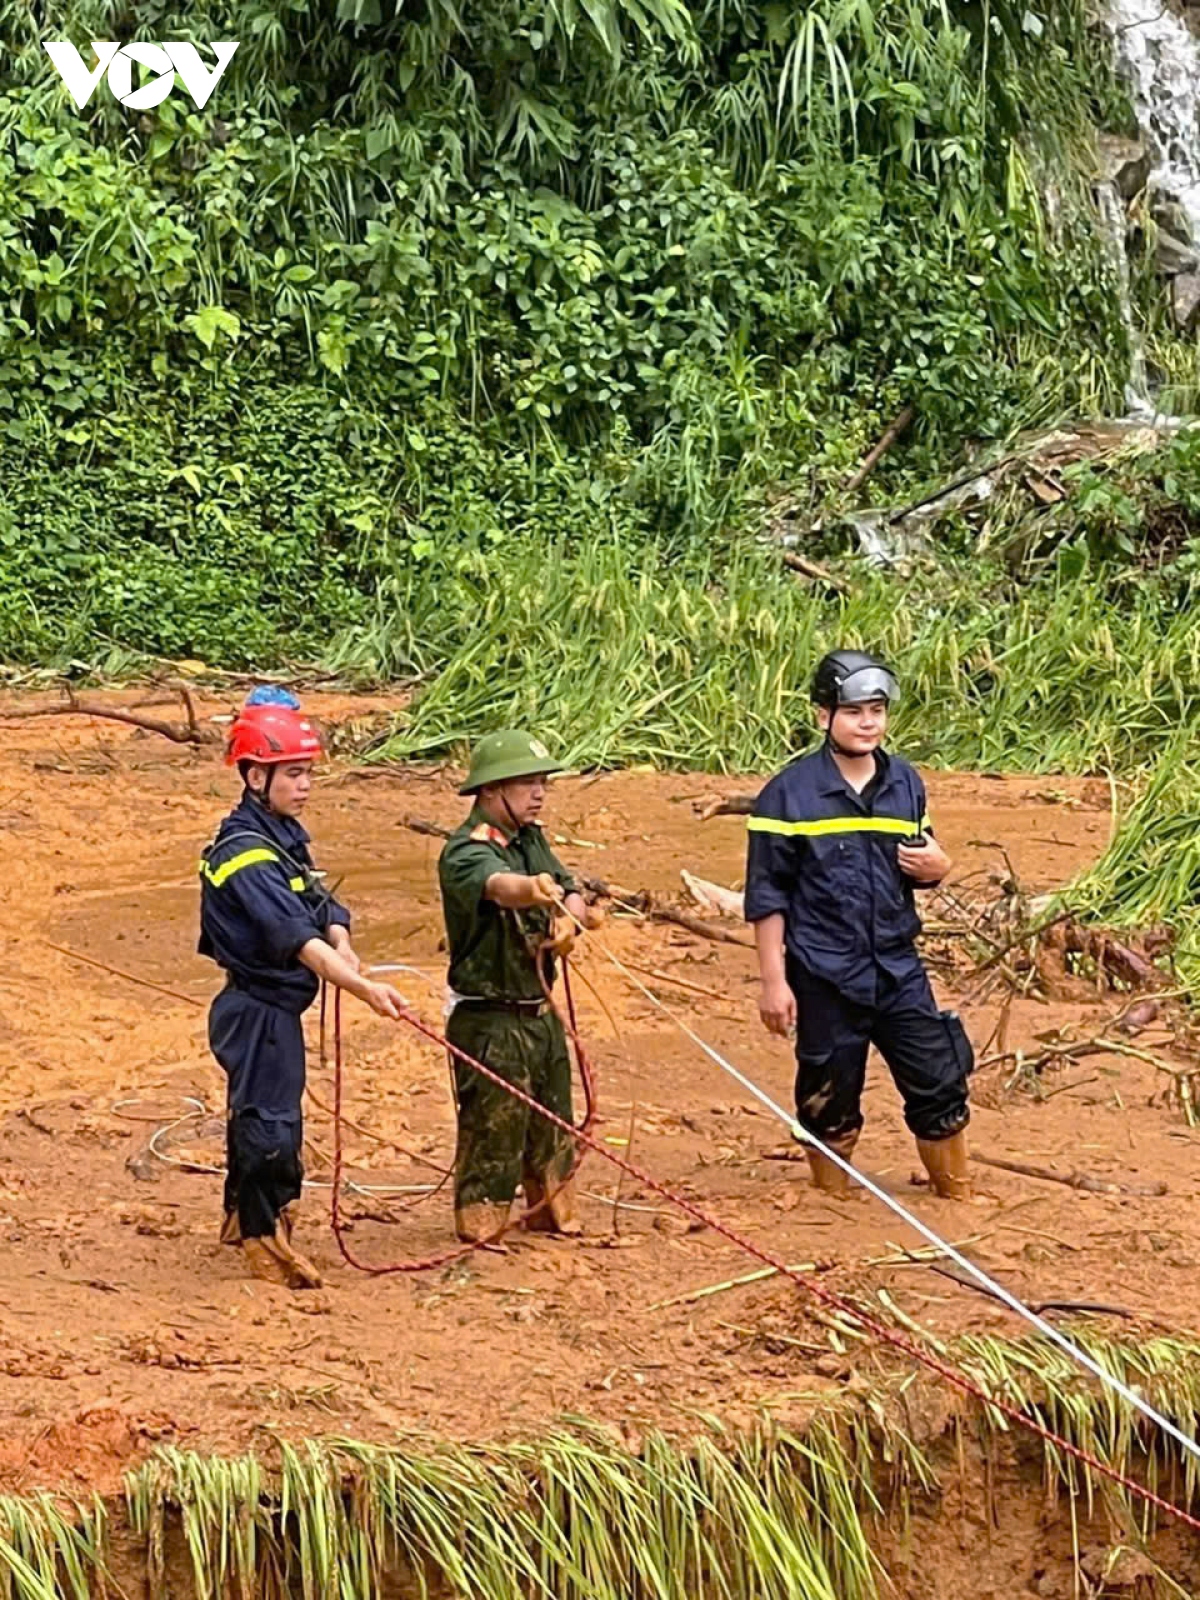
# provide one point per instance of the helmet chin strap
(512, 817)
(262, 796)
(838, 749)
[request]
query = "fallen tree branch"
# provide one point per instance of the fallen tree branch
(189, 732)
(1077, 1050)
(1073, 1180)
(1023, 937)
(715, 897)
(728, 805)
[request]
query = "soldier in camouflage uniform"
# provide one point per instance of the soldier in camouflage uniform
(505, 894)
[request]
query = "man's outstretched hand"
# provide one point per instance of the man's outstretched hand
(385, 1001)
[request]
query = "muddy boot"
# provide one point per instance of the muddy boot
(272, 1258)
(475, 1224)
(946, 1162)
(827, 1175)
(231, 1228)
(287, 1219)
(558, 1215)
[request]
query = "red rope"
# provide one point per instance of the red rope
(580, 1134)
(950, 1375)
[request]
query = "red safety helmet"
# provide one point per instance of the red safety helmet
(271, 735)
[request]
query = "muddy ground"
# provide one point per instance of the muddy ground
(124, 1322)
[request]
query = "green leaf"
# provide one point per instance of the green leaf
(206, 325)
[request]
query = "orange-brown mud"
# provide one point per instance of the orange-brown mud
(124, 1322)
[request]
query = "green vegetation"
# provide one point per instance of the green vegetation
(427, 284)
(769, 1513)
(473, 345)
(709, 668)
(1150, 874)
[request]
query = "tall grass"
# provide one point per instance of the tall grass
(1150, 873)
(767, 1514)
(705, 664)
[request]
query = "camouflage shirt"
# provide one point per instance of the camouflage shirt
(489, 955)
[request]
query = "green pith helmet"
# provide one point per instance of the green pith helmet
(508, 754)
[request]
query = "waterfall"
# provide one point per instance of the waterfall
(1112, 222)
(1159, 57)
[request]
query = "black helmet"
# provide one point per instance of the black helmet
(848, 677)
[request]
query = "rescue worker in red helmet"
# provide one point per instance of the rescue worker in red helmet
(268, 922)
(838, 842)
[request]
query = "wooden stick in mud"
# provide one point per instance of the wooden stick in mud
(130, 977)
(1040, 1308)
(886, 440)
(431, 830)
(1073, 1180)
(814, 570)
(706, 930)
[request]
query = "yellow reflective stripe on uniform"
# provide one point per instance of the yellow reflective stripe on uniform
(296, 883)
(828, 825)
(248, 858)
(926, 825)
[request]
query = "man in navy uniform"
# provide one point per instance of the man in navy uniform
(838, 842)
(266, 919)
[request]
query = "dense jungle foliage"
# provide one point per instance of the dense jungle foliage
(430, 286)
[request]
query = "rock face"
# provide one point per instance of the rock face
(1185, 300)
(1175, 250)
(1125, 162)
(1173, 255)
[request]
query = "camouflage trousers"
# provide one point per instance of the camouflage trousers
(501, 1141)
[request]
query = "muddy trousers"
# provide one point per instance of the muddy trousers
(501, 1141)
(260, 1047)
(926, 1050)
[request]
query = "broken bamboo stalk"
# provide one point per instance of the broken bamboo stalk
(680, 983)
(757, 1276)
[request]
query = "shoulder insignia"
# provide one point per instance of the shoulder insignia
(484, 833)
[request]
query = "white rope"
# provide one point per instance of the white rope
(1047, 1329)
(201, 1110)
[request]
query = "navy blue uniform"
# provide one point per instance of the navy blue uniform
(260, 903)
(824, 857)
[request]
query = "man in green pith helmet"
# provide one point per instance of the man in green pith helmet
(508, 902)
